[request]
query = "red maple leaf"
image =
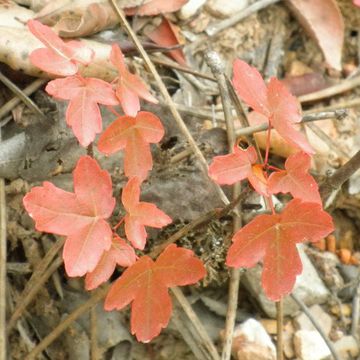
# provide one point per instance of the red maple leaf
(59, 57)
(140, 214)
(295, 179)
(273, 238)
(83, 113)
(80, 215)
(134, 135)
(146, 284)
(231, 168)
(120, 254)
(275, 102)
(129, 87)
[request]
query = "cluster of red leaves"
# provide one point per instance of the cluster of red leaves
(92, 248)
(273, 238)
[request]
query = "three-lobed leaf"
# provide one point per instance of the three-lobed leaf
(134, 134)
(241, 164)
(81, 216)
(295, 179)
(140, 214)
(146, 284)
(58, 57)
(273, 239)
(120, 253)
(274, 102)
(129, 87)
(83, 113)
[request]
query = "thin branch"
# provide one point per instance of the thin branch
(82, 309)
(8, 106)
(168, 100)
(32, 285)
(279, 329)
(176, 66)
(21, 95)
(3, 337)
(345, 85)
(216, 66)
(330, 187)
(328, 140)
(339, 114)
(305, 309)
(94, 349)
(211, 349)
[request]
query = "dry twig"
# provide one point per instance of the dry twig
(305, 309)
(3, 336)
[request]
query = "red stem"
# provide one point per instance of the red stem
(118, 224)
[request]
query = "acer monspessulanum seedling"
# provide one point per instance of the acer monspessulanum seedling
(93, 248)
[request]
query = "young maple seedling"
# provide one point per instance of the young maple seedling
(273, 238)
(93, 248)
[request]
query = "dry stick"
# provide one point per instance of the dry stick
(214, 62)
(20, 94)
(179, 121)
(82, 309)
(305, 309)
(94, 351)
(176, 66)
(336, 114)
(345, 85)
(330, 187)
(214, 29)
(202, 220)
(8, 106)
(28, 293)
(328, 140)
(195, 321)
(279, 329)
(3, 336)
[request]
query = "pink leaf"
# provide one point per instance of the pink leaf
(146, 284)
(134, 134)
(129, 87)
(80, 215)
(120, 254)
(83, 113)
(59, 57)
(296, 179)
(274, 238)
(140, 214)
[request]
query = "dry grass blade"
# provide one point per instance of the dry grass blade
(40, 275)
(3, 336)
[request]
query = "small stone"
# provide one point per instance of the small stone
(308, 287)
(309, 345)
(190, 9)
(225, 8)
(251, 342)
(346, 346)
(325, 322)
(269, 325)
(343, 310)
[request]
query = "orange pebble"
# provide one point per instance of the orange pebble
(331, 243)
(320, 245)
(344, 256)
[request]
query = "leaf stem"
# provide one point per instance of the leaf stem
(118, 224)
(279, 329)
